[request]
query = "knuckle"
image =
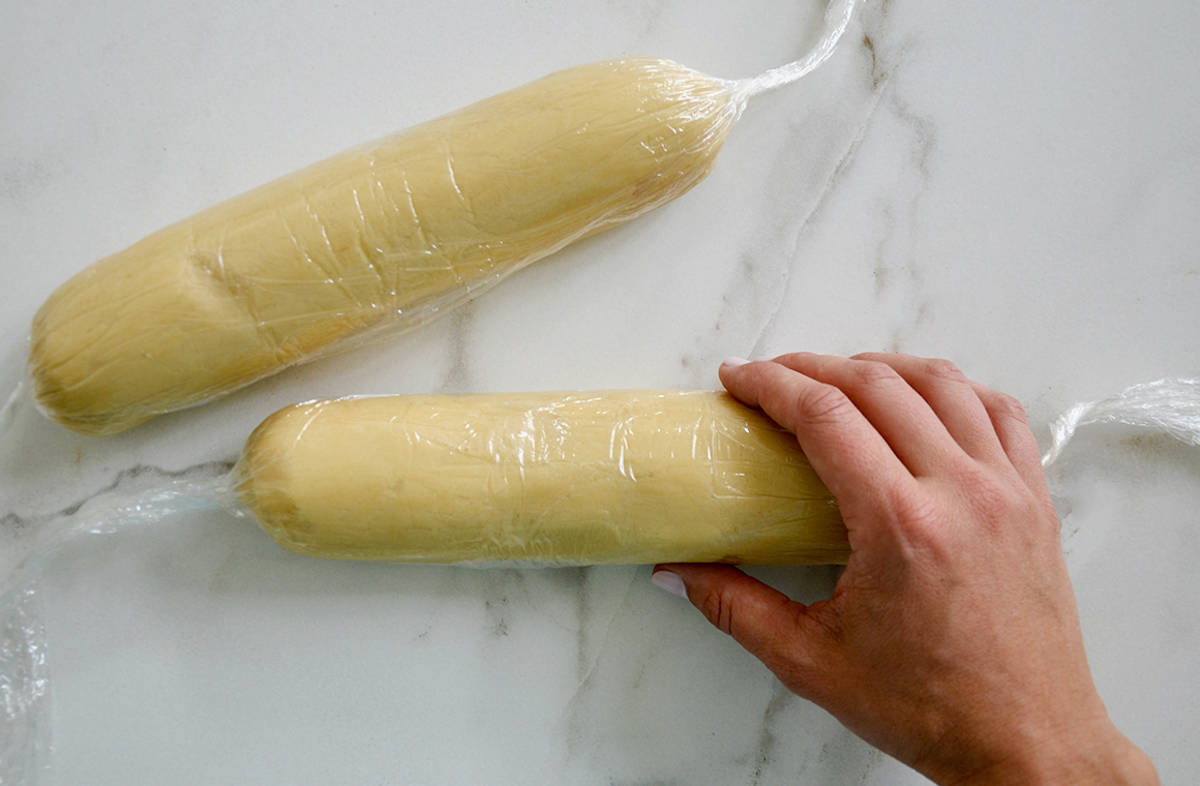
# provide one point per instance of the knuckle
(823, 404)
(790, 359)
(874, 372)
(827, 621)
(717, 606)
(922, 527)
(1008, 407)
(987, 496)
(914, 511)
(944, 369)
(994, 499)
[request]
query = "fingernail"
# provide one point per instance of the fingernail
(670, 582)
(734, 362)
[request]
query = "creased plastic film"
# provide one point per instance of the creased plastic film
(24, 677)
(620, 477)
(837, 19)
(8, 410)
(529, 479)
(108, 513)
(381, 238)
(24, 690)
(1170, 406)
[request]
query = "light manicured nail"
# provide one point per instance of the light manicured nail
(734, 362)
(666, 580)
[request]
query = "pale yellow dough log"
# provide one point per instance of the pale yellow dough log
(382, 236)
(628, 477)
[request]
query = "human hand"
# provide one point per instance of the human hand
(951, 640)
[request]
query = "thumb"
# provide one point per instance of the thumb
(770, 625)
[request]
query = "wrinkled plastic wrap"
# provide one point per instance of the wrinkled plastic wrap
(630, 477)
(24, 686)
(8, 411)
(24, 677)
(379, 238)
(1171, 406)
(529, 479)
(576, 478)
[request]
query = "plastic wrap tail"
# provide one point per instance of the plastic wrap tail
(8, 411)
(1171, 406)
(24, 680)
(24, 686)
(837, 19)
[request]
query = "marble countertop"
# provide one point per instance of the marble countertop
(1011, 185)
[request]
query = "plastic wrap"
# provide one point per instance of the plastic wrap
(630, 477)
(1171, 406)
(24, 687)
(8, 411)
(586, 478)
(837, 19)
(581, 478)
(531, 479)
(377, 240)
(381, 238)
(24, 677)
(572, 478)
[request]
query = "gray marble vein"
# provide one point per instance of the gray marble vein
(830, 184)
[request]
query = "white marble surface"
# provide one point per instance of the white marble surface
(1012, 185)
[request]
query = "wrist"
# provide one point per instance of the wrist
(1102, 757)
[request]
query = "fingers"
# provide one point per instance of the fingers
(1007, 417)
(905, 419)
(846, 451)
(771, 626)
(952, 397)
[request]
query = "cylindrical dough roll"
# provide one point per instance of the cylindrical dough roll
(627, 477)
(382, 236)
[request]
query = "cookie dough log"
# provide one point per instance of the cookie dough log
(628, 477)
(382, 236)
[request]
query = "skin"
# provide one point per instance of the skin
(952, 639)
